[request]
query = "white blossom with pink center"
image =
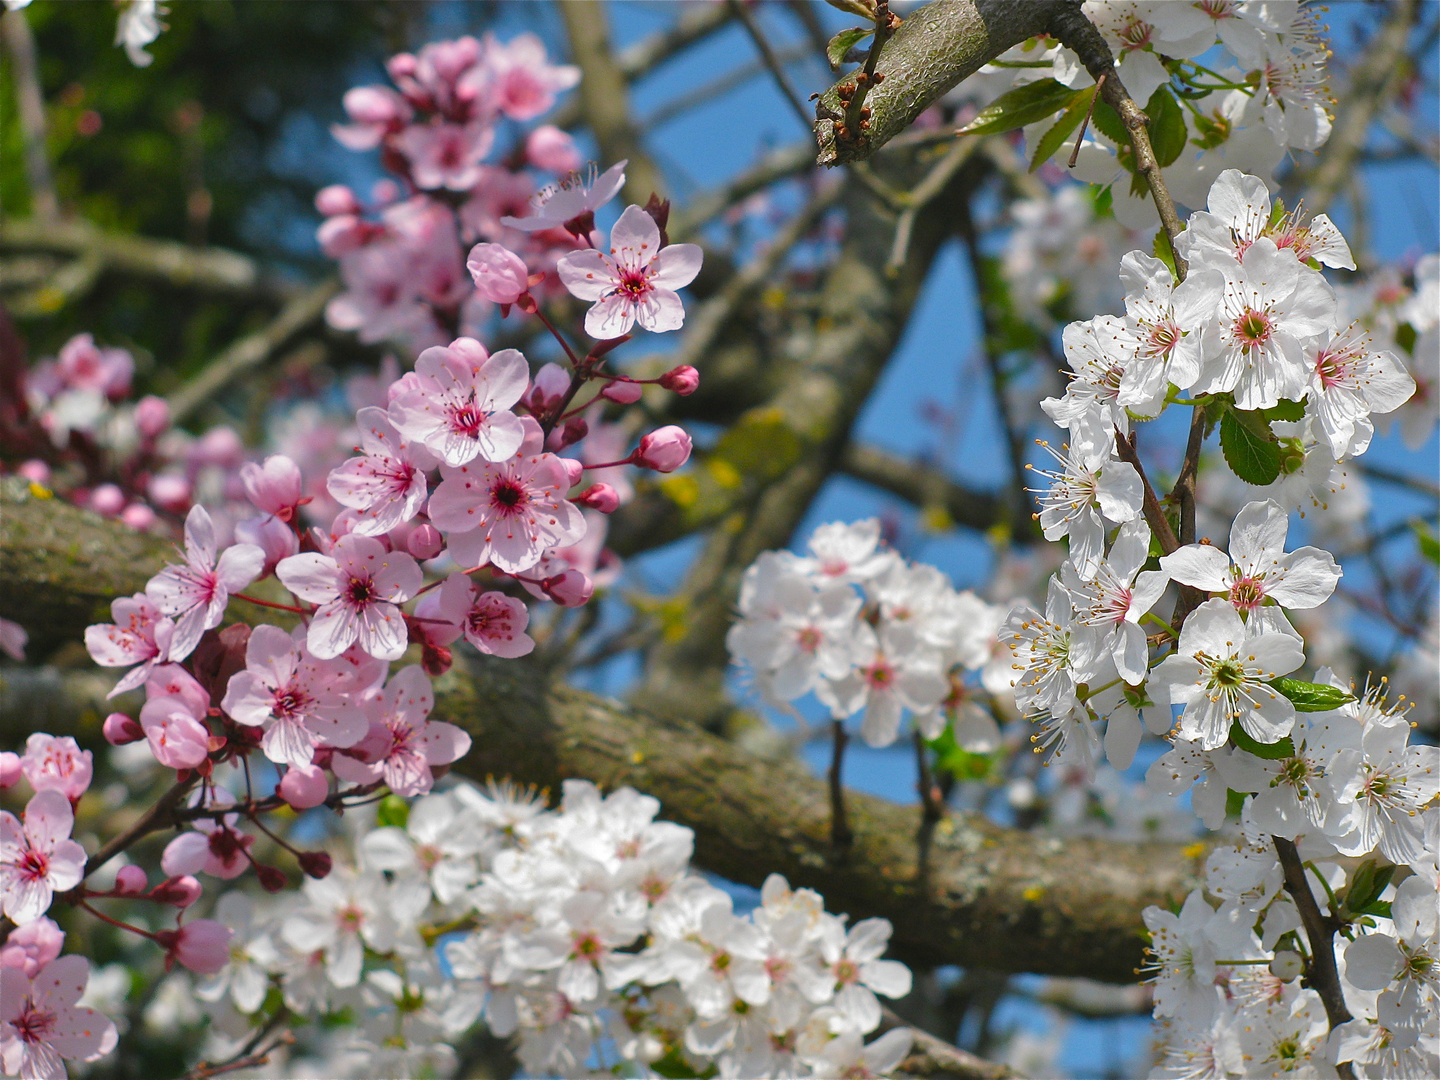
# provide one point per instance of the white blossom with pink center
(1100, 352)
(458, 404)
(387, 485)
(635, 282)
(854, 961)
(1108, 608)
(1258, 569)
(141, 635)
(509, 514)
(41, 1024)
(358, 587)
(195, 595)
(1349, 380)
(298, 699)
(891, 673)
(1239, 213)
(493, 622)
(38, 858)
(1167, 320)
(402, 743)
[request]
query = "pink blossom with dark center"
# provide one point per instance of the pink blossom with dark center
(57, 764)
(403, 743)
(387, 485)
(38, 858)
(357, 587)
(214, 846)
(459, 406)
(508, 514)
(41, 1024)
(141, 635)
(493, 622)
(195, 595)
(445, 155)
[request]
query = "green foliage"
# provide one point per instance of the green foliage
(1426, 539)
(1165, 252)
(1023, 105)
(1061, 130)
(393, 811)
(1167, 126)
(1312, 697)
(1270, 751)
(1250, 447)
(962, 764)
(843, 42)
(1366, 885)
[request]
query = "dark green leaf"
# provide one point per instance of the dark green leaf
(1061, 130)
(1379, 907)
(843, 42)
(1016, 108)
(1312, 697)
(1405, 337)
(1167, 126)
(1107, 121)
(1270, 751)
(1429, 545)
(1286, 410)
(1164, 251)
(1251, 453)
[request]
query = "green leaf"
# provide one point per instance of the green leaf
(843, 42)
(1312, 697)
(1285, 410)
(1016, 108)
(1366, 885)
(393, 810)
(1167, 126)
(1379, 907)
(1429, 545)
(1107, 121)
(1165, 252)
(1249, 447)
(1059, 131)
(1270, 751)
(1405, 337)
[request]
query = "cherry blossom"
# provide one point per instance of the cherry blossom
(195, 595)
(58, 764)
(358, 587)
(458, 405)
(402, 743)
(1380, 788)
(519, 79)
(140, 635)
(214, 845)
(32, 946)
(1350, 380)
(177, 735)
(491, 621)
(387, 485)
(635, 282)
(38, 858)
(573, 201)
(41, 1024)
(1111, 605)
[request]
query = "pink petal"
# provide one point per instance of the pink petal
(588, 274)
(676, 266)
(503, 380)
(635, 239)
(380, 629)
(199, 538)
(310, 576)
(659, 311)
(333, 629)
(48, 819)
(61, 982)
(239, 566)
(443, 743)
(611, 318)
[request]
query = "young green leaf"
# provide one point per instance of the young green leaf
(1429, 545)
(1250, 450)
(1270, 751)
(1163, 251)
(393, 811)
(1312, 697)
(843, 42)
(1016, 108)
(1286, 410)
(1167, 126)
(1061, 130)
(1107, 121)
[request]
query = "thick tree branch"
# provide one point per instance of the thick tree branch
(994, 898)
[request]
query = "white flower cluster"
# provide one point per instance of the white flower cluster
(869, 632)
(581, 931)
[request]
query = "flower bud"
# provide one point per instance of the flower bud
(138, 516)
(550, 384)
(500, 275)
(169, 492)
(272, 879)
(622, 393)
(570, 589)
(316, 864)
(152, 416)
(600, 497)
(203, 946)
(574, 469)
(1287, 965)
(569, 433)
(664, 450)
(120, 729)
(436, 660)
(425, 542)
(181, 890)
(337, 199)
(10, 771)
(107, 499)
(549, 148)
(130, 880)
(683, 380)
(377, 105)
(304, 786)
(274, 487)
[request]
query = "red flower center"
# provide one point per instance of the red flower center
(34, 1025)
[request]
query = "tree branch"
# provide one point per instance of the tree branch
(926, 486)
(994, 897)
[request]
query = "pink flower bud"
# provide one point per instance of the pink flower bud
(182, 890)
(270, 535)
(375, 105)
(130, 880)
(551, 149)
(119, 729)
(600, 497)
(342, 235)
(425, 542)
(664, 449)
(32, 946)
(304, 786)
(570, 589)
(169, 492)
(10, 771)
(550, 384)
(316, 864)
(219, 446)
(623, 393)
(683, 380)
(152, 416)
(274, 487)
(203, 946)
(34, 470)
(337, 199)
(568, 433)
(436, 660)
(138, 516)
(574, 469)
(499, 273)
(107, 499)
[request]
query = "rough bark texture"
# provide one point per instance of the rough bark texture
(937, 46)
(995, 898)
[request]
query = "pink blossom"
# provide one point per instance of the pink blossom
(445, 155)
(437, 78)
(57, 764)
(571, 204)
(664, 449)
(10, 771)
(107, 499)
(357, 587)
(140, 634)
(520, 80)
(203, 946)
(549, 148)
(635, 282)
(196, 594)
(304, 786)
(32, 946)
(337, 199)
(500, 274)
(387, 485)
(13, 637)
(403, 743)
(41, 1024)
(274, 487)
(459, 407)
(178, 738)
(297, 699)
(172, 680)
(85, 366)
(491, 621)
(214, 846)
(38, 858)
(507, 514)
(169, 491)
(271, 535)
(376, 111)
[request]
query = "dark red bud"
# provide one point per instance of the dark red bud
(271, 878)
(316, 864)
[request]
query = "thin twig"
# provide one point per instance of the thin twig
(840, 835)
(1085, 120)
(157, 817)
(932, 810)
(923, 194)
